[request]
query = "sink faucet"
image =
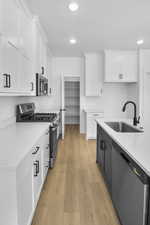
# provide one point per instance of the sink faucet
(135, 119)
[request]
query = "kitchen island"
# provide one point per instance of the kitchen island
(124, 160)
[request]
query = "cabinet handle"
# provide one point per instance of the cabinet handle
(42, 70)
(102, 145)
(47, 133)
(36, 164)
(37, 149)
(47, 147)
(136, 172)
(95, 114)
(125, 158)
(120, 76)
(32, 86)
(7, 80)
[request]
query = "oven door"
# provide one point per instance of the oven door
(53, 144)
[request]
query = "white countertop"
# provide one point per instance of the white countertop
(17, 140)
(136, 145)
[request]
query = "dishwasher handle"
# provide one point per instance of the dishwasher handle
(136, 169)
(125, 158)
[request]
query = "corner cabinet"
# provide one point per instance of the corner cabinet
(93, 74)
(121, 66)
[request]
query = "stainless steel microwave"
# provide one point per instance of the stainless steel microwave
(41, 85)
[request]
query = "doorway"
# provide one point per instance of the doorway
(70, 102)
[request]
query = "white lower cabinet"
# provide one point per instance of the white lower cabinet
(21, 186)
(24, 191)
(91, 123)
(37, 173)
(45, 155)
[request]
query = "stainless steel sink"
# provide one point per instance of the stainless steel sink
(123, 127)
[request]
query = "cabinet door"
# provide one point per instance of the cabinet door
(37, 175)
(46, 154)
(26, 77)
(24, 190)
(120, 66)
(26, 35)
(9, 66)
(100, 148)
(129, 67)
(93, 74)
(49, 75)
(10, 21)
(108, 161)
(113, 66)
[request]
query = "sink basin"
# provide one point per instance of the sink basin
(123, 127)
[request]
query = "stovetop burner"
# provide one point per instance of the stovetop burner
(50, 117)
(26, 113)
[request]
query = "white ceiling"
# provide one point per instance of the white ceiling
(98, 24)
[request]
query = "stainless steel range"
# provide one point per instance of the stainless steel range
(26, 113)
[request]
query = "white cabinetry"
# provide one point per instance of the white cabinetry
(37, 172)
(26, 35)
(9, 61)
(45, 155)
(40, 49)
(93, 74)
(16, 193)
(121, 66)
(9, 21)
(16, 50)
(21, 184)
(40, 155)
(91, 123)
(24, 191)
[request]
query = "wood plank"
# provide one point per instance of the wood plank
(75, 192)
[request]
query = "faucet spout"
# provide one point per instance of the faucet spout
(135, 119)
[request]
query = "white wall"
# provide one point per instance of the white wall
(63, 66)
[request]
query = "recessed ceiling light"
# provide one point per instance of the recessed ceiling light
(140, 42)
(73, 41)
(73, 6)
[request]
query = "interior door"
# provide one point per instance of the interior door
(62, 108)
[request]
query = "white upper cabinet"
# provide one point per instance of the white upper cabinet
(40, 50)
(26, 35)
(121, 66)
(93, 74)
(9, 21)
(9, 63)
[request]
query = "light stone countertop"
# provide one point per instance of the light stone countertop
(136, 145)
(17, 140)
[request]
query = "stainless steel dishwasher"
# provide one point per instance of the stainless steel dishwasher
(130, 189)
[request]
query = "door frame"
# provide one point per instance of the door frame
(65, 77)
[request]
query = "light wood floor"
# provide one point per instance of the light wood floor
(74, 192)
